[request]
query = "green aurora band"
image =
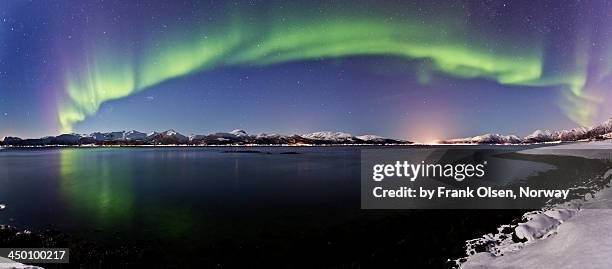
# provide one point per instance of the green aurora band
(111, 69)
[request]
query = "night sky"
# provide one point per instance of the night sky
(422, 71)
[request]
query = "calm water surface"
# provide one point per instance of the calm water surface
(169, 191)
(265, 209)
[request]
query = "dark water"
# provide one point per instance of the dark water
(170, 191)
(172, 207)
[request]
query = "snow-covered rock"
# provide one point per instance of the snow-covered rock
(541, 224)
(239, 133)
(10, 264)
(581, 241)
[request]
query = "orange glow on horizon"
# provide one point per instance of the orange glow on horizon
(430, 130)
(432, 141)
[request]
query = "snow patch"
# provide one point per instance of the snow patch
(264, 135)
(239, 133)
(373, 138)
(575, 234)
(541, 225)
(10, 264)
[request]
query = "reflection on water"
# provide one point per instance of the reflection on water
(99, 185)
(170, 192)
(96, 187)
(174, 192)
(211, 206)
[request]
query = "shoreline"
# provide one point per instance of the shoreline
(515, 244)
(212, 146)
(288, 145)
(473, 219)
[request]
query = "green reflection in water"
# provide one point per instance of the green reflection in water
(173, 223)
(99, 185)
(95, 186)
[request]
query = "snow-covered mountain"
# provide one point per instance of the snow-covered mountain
(330, 136)
(239, 133)
(65, 139)
(372, 138)
(268, 136)
(241, 137)
(234, 137)
(375, 139)
(118, 136)
(134, 135)
(599, 131)
(486, 139)
(171, 137)
(539, 136)
(196, 138)
(572, 135)
(167, 137)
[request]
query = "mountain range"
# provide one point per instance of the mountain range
(598, 132)
(171, 137)
(240, 137)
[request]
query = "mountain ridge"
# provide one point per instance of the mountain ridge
(600, 131)
(172, 137)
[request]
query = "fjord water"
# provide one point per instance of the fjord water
(168, 192)
(190, 198)
(267, 207)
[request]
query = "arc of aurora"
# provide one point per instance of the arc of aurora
(112, 71)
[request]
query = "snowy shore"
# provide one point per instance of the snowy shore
(9, 264)
(573, 235)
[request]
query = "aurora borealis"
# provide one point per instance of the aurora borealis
(485, 67)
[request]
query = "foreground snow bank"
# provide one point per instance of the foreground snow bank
(583, 240)
(9, 264)
(590, 150)
(577, 234)
(540, 225)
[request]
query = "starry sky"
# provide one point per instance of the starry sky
(418, 70)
